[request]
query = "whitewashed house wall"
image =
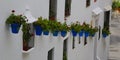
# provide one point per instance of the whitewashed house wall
(11, 44)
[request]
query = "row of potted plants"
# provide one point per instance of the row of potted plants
(45, 26)
(42, 25)
(55, 27)
(85, 29)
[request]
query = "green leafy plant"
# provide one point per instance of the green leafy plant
(64, 27)
(86, 27)
(45, 25)
(115, 4)
(80, 27)
(19, 19)
(105, 31)
(38, 22)
(64, 56)
(92, 31)
(26, 32)
(54, 25)
(26, 36)
(76, 27)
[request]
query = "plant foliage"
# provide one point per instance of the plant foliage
(19, 19)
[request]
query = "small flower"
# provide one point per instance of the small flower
(20, 14)
(84, 23)
(13, 11)
(77, 21)
(27, 20)
(59, 23)
(32, 34)
(52, 18)
(65, 19)
(68, 27)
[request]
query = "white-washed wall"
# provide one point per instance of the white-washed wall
(81, 51)
(10, 44)
(39, 7)
(42, 45)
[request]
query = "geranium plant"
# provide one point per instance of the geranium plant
(86, 28)
(37, 25)
(54, 27)
(19, 19)
(105, 32)
(64, 29)
(26, 36)
(15, 21)
(76, 28)
(38, 22)
(45, 26)
(92, 31)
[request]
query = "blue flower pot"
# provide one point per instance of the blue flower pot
(63, 33)
(55, 33)
(38, 30)
(92, 35)
(74, 33)
(81, 33)
(86, 34)
(15, 28)
(46, 32)
(104, 35)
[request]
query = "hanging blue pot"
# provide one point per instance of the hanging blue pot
(81, 33)
(15, 28)
(55, 33)
(38, 30)
(74, 33)
(104, 35)
(86, 34)
(63, 33)
(92, 35)
(46, 32)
